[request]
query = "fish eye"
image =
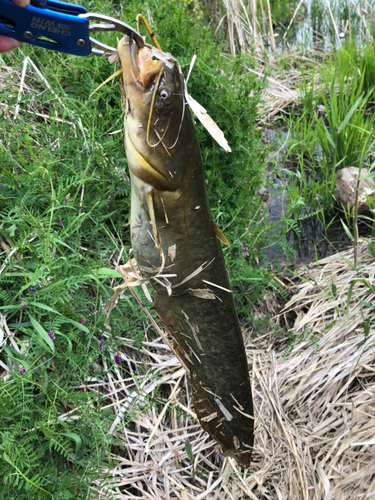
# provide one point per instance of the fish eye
(165, 94)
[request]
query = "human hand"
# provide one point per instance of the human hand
(6, 43)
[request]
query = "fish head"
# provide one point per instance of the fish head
(159, 132)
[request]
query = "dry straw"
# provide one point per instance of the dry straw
(314, 410)
(283, 91)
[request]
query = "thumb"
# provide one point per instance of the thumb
(7, 44)
(21, 3)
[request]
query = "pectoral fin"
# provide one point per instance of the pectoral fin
(219, 235)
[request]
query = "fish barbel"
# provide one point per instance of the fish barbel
(172, 232)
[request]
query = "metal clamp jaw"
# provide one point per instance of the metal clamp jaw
(59, 26)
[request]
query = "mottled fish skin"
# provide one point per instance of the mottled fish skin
(170, 214)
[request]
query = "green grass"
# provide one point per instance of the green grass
(333, 127)
(64, 210)
(281, 12)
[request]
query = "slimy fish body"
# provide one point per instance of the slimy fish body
(172, 233)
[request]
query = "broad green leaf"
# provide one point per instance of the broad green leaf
(42, 333)
(329, 136)
(38, 273)
(22, 362)
(350, 291)
(349, 115)
(25, 324)
(75, 438)
(334, 288)
(11, 230)
(62, 243)
(367, 304)
(333, 101)
(43, 345)
(349, 234)
(368, 176)
(77, 325)
(70, 345)
(44, 306)
(111, 273)
(189, 451)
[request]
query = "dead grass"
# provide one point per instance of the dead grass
(281, 93)
(314, 411)
(251, 30)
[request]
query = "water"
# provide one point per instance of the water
(314, 237)
(313, 28)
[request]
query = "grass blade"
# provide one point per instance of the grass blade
(346, 229)
(349, 115)
(42, 333)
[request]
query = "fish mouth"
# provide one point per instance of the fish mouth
(138, 66)
(140, 72)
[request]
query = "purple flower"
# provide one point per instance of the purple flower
(61, 223)
(245, 249)
(1, 186)
(23, 304)
(102, 345)
(66, 199)
(118, 358)
(32, 289)
(22, 370)
(81, 322)
(51, 334)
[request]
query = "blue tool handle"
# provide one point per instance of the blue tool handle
(39, 3)
(57, 26)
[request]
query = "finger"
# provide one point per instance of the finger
(21, 3)
(7, 44)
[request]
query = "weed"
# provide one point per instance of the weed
(64, 208)
(343, 140)
(333, 130)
